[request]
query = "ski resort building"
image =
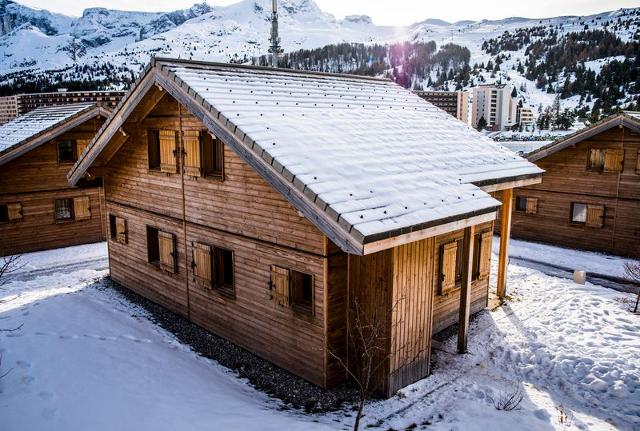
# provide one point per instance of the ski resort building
(38, 208)
(279, 208)
(590, 194)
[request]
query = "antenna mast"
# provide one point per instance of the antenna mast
(275, 48)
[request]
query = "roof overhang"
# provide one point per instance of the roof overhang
(52, 133)
(619, 120)
(510, 183)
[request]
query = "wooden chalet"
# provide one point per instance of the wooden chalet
(590, 194)
(266, 205)
(38, 208)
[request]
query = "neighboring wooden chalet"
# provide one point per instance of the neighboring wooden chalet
(589, 197)
(38, 208)
(264, 204)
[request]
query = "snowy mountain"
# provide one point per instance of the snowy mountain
(108, 47)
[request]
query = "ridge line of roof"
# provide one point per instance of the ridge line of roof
(280, 70)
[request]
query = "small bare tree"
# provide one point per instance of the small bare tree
(367, 337)
(8, 265)
(508, 401)
(632, 270)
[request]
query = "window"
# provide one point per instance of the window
(302, 292)
(451, 261)
(4, 214)
(526, 204)
(578, 213)
(118, 229)
(290, 288)
(153, 144)
(213, 267)
(212, 156)
(81, 208)
(64, 209)
(10, 212)
(67, 152)
(161, 249)
(638, 163)
(606, 160)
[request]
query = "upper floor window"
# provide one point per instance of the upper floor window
(67, 152)
(605, 160)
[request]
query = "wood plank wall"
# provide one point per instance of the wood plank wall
(446, 306)
(242, 214)
(568, 180)
(35, 180)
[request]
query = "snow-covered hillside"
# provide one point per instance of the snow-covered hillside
(33, 42)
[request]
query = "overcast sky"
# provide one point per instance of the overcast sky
(391, 12)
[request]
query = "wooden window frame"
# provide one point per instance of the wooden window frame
(296, 304)
(290, 301)
(4, 213)
(153, 159)
(74, 150)
(590, 166)
(211, 172)
(154, 257)
(69, 219)
(571, 220)
(122, 238)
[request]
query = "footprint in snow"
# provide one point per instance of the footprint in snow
(23, 364)
(27, 380)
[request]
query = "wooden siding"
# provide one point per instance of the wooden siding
(446, 306)
(35, 180)
(567, 180)
(38, 229)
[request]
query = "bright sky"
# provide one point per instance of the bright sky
(390, 12)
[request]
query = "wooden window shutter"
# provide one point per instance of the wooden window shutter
(81, 145)
(14, 211)
(448, 266)
(532, 205)
(167, 247)
(280, 285)
(202, 263)
(596, 159)
(192, 156)
(638, 164)
(168, 151)
(613, 160)
(82, 208)
(121, 230)
(595, 216)
(485, 254)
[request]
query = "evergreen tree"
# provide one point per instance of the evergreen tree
(482, 124)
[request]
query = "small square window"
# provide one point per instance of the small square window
(301, 291)
(578, 213)
(212, 156)
(521, 203)
(64, 209)
(67, 152)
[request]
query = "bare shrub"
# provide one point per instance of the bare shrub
(508, 401)
(632, 270)
(9, 264)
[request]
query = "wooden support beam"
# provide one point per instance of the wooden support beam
(465, 290)
(505, 233)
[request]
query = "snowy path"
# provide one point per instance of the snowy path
(86, 358)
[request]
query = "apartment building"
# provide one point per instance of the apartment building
(454, 102)
(8, 108)
(495, 104)
(29, 102)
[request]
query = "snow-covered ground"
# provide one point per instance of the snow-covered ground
(86, 358)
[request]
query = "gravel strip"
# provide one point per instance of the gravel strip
(263, 375)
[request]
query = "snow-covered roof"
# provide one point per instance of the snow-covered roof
(40, 122)
(523, 148)
(373, 157)
(627, 119)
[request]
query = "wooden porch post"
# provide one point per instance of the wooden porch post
(465, 290)
(505, 233)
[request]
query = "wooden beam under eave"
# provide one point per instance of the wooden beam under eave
(465, 289)
(383, 244)
(511, 184)
(505, 233)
